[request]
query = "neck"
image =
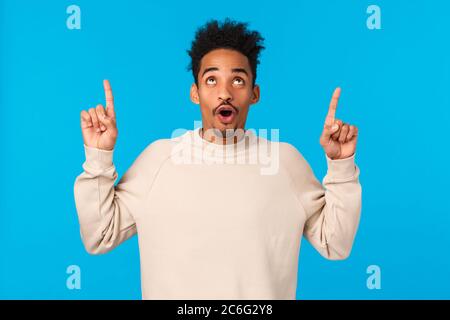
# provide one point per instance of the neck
(220, 137)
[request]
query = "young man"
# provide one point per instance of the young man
(213, 225)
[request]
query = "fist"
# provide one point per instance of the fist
(98, 126)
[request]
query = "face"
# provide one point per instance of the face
(225, 91)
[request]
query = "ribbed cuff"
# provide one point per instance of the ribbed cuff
(341, 168)
(98, 158)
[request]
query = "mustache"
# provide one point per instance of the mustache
(225, 103)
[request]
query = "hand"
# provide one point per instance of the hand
(338, 139)
(99, 127)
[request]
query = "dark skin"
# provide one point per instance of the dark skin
(224, 75)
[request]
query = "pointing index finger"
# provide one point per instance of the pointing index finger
(109, 98)
(333, 105)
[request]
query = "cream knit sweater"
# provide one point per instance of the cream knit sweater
(213, 222)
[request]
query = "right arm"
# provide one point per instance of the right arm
(106, 213)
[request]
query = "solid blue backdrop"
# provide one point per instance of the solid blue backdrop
(394, 88)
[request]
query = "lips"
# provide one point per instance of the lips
(226, 114)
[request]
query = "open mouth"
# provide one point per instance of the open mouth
(226, 114)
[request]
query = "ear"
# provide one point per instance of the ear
(256, 94)
(194, 94)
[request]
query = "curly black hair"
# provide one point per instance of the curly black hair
(228, 34)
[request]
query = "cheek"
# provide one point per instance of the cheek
(206, 106)
(206, 96)
(243, 99)
(208, 100)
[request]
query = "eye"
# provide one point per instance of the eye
(240, 81)
(210, 82)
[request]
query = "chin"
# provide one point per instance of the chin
(222, 127)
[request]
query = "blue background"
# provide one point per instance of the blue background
(394, 88)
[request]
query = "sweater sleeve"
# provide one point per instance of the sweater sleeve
(106, 212)
(333, 208)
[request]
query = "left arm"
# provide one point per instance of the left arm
(334, 209)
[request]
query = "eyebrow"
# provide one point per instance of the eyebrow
(239, 70)
(234, 70)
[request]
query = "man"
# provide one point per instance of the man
(212, 225)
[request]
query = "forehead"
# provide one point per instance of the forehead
(224, 59)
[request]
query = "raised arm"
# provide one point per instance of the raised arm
(105, 212)
(333, 209)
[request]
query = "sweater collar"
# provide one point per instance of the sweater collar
(245, 141)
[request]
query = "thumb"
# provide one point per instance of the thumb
(334, 128)
(330, 130)
(105, 119)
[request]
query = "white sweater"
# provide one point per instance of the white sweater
(213, 223)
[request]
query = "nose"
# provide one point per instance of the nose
(225, 94)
